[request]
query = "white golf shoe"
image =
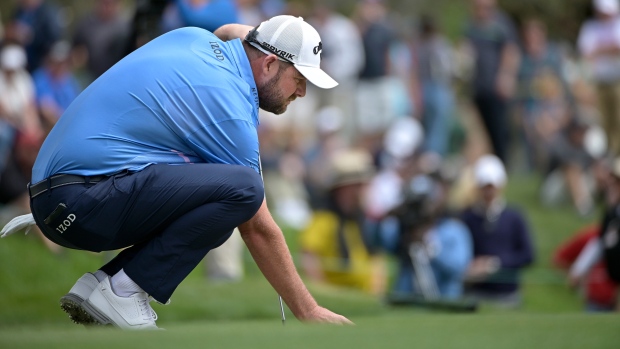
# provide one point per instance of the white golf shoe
(130, 313)
(72, 302)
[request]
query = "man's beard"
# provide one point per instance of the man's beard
(269, 98)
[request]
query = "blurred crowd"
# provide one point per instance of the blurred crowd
(405, 162)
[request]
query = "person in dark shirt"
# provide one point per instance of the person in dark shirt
(375, 89)
(491, 37)
(103, 34)
(35, 26)
(500, 236)
(610, 240)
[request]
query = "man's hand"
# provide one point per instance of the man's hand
(481, 267)
(322, 315)
(266, 243)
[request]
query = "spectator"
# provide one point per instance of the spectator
(434, 250)
(374, 109)
(17, 95)
(103, 35)
(491, 38)
(610, 226)
(55, 85)
(225, 263)
(405, 97)
(20, 135)
(16, 92)
(343, 58)
(273, 7)
(599, 44)
(569, 157)
(318, 157)
(35, 25)
(500, 236)
(334, 245)
(250, 12)
(401, 144)
(283, 171)
(598, 289)
(542, 94)
(434, 73)
(206, 14)
(146, 23)
(607, 247)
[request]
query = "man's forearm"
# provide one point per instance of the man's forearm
(266, 243)
(232, 31)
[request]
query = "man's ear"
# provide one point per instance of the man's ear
(270, 66)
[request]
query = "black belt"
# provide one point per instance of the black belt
(60, 180)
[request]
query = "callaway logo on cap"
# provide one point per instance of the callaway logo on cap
(294, 41)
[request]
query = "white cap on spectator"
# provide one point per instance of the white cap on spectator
(595, 141)
(608, 7)
(295, 41)
(403, 138)
(329, 119)
(13, 57)
(489, 170)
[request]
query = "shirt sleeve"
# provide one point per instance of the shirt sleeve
(43, 91)
(523, 252)
(585, 40)
(568, 252)
(456, 250)
(589, 256)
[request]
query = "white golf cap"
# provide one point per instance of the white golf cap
(295, 41)
(608, 7)
(489, 170)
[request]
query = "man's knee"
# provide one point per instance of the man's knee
(251, 189)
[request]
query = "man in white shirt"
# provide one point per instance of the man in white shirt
(599, 44)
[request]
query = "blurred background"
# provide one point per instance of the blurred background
(466, 162)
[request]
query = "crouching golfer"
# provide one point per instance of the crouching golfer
(160, 156)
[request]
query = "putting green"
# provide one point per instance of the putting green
(398, 329)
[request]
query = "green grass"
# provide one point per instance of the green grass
(545, 287)
(396, 330)
(246, 314)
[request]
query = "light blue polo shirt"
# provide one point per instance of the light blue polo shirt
(185, 97)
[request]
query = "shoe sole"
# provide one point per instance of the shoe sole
(95, 314)
(73, 306)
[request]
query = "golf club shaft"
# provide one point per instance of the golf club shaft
(282, 310)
